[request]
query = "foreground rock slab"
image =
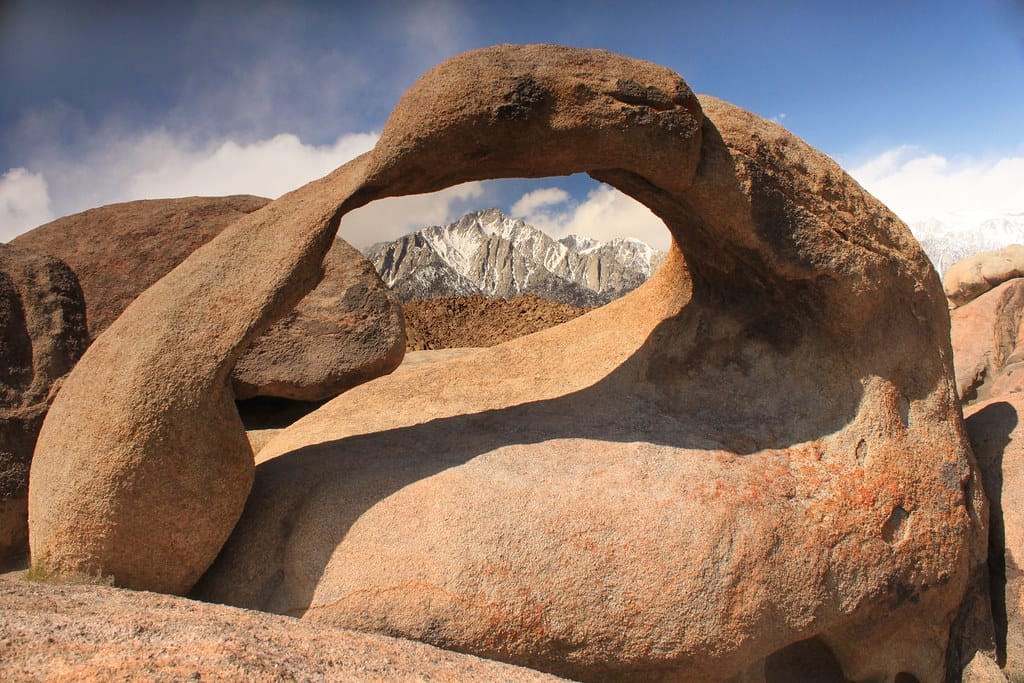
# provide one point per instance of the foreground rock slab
(755, 460)
(81, 632)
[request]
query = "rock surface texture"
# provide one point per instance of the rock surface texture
(455, 322)
(970, 278)
(64, 633)
(754, 460)
(119, 250)
(988, 343)
(346, 331)
(42, 334)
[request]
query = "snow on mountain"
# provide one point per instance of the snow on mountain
(953, 237)
(489, 253)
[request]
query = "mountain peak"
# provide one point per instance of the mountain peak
(487, 252)
(953, 237)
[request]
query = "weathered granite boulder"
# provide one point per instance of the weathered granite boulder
(42, 334)
(345, 332)
(970, 278)
(988, 343)
(119, 250)
(754, 460)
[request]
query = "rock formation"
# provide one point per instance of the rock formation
(94, 633)
(973, 276)
(42, 334)
(663, 487)
(988, 343)
(119, 250)
(348, 330)
(345, 332)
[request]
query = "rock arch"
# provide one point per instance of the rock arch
(785, 380)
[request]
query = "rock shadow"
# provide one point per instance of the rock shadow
(990, 432)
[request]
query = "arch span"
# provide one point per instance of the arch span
(794, 349)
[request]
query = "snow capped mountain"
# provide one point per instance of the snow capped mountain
(486, 252)
(953, 237)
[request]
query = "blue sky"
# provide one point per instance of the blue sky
(112, 101)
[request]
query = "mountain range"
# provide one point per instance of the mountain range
(489, 253)
(953, 237)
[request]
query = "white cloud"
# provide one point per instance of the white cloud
(388, 219)
(918, 185)
(530, 202)
(156, 164)
(605, 214)
(24, 202)
(267, 167)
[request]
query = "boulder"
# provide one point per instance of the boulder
(996, 430)
(119, 250)
(970, 278)
(42, 334)
(661, 487)
(96, 633)
(345, 332)
(988, 343)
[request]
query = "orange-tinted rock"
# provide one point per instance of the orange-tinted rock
(42, 334)
(662, 487)
(987, 338)
(968, 279)
(119, 250)
(61, 633)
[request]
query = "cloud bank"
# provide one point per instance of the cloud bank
(157, 164)
(24, 201)
(388, 219)
(604, 214)
(918, 185)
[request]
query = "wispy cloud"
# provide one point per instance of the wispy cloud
(388, 219)
(531, 202)
(24, 201)
(604, 214)
(918, 185)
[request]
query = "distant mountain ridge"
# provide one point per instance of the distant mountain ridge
(488, 253)
(952, 238)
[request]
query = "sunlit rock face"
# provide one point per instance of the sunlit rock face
(755, 459)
